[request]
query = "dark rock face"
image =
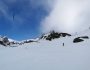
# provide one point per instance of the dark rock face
(54, 35)
(29, 41)
(84, 37)
(80, 39)
(4, 41)
(65, 34)
(76, 40)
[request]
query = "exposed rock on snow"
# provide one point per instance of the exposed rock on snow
(30, 40)
(4, 41)
(54, 35)
(84, 37)
(80, 39)
(76, 40)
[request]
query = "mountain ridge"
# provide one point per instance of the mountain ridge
(5, 41)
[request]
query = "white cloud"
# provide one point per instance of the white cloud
(7, 9)
(4, 10)
(67, 16)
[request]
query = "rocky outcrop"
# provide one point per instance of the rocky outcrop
(76, 40)
(80, 39)
(53, 35)
(4, 41)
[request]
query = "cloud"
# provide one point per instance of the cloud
(3, 8)
(63, 15)
(6, 9)
(67, 16)
(21, 9)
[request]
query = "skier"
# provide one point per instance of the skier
(63, 44)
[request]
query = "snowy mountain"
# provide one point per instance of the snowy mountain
(5, 41)
(45, 54)
(53, 35)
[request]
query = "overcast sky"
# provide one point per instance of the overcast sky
(68, 16)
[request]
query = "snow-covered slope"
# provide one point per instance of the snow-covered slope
(48, 55)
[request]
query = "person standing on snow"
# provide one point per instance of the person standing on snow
(63, 44)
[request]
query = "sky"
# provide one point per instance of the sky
(24, 19)
(20, 19)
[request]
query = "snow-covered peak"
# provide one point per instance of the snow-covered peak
(11, 40)
(4, 40)
(53, 35)
(29, 41)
